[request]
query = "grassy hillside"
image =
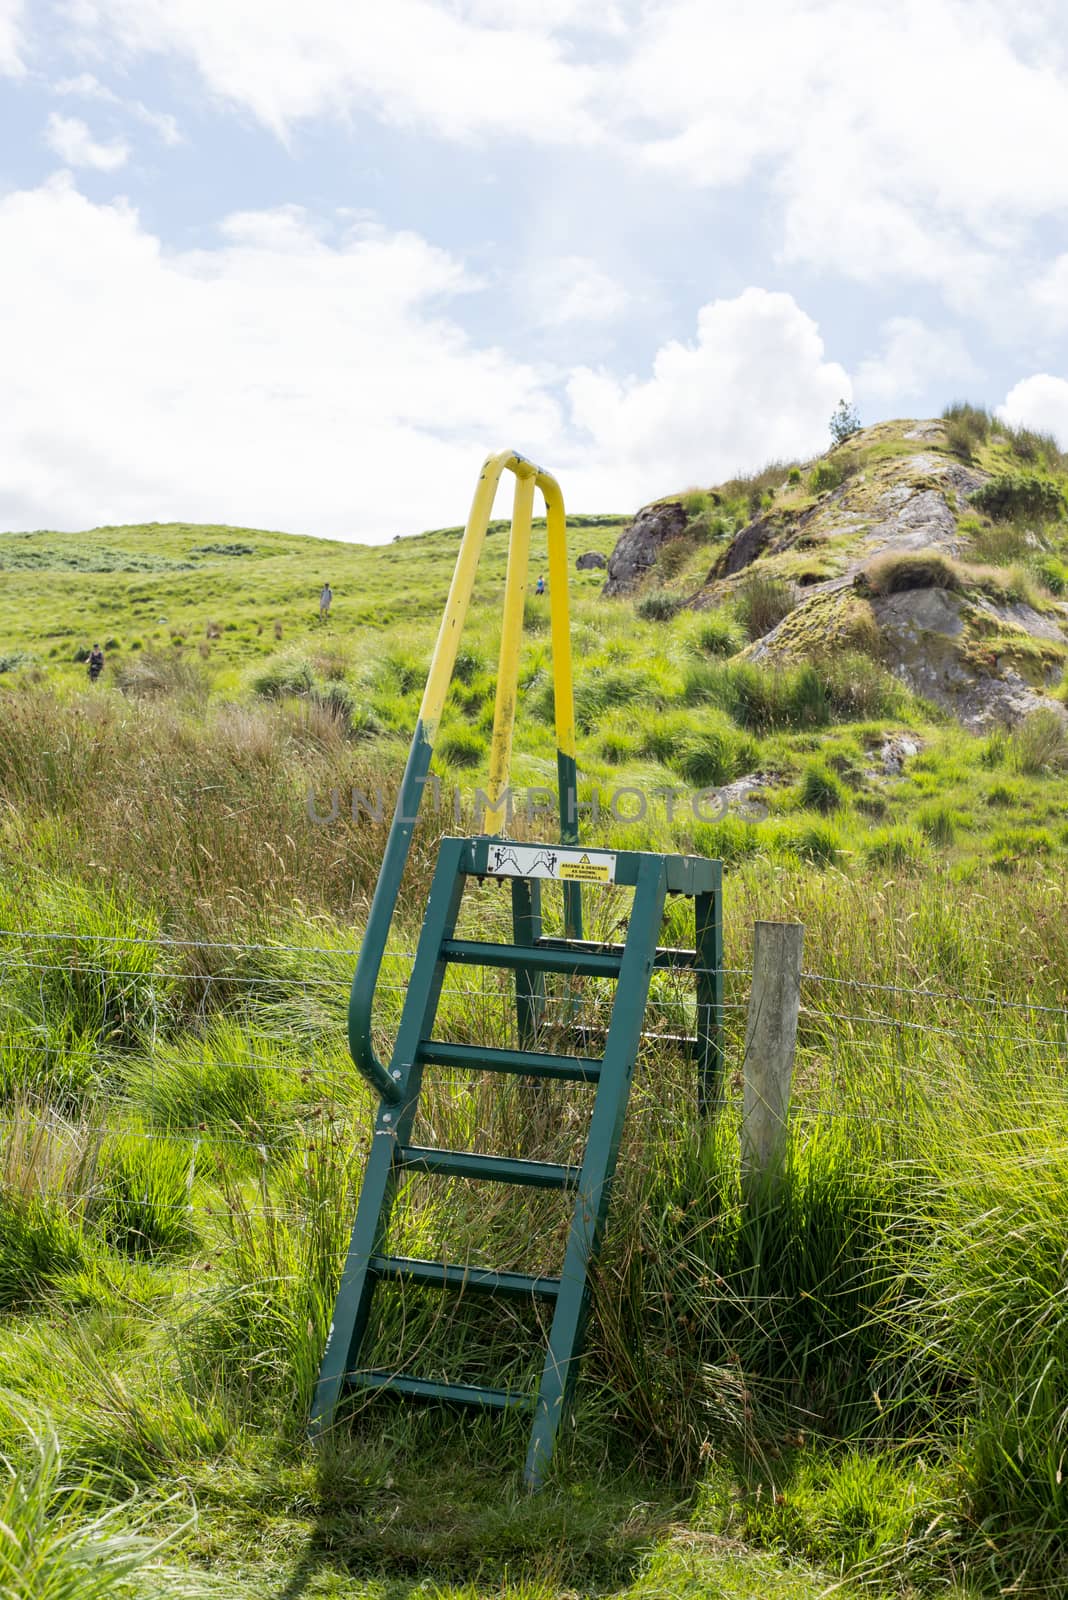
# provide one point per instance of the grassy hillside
(854, 1386)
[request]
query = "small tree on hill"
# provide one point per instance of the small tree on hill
(845, 422)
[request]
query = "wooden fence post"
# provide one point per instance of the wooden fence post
(770, 1038)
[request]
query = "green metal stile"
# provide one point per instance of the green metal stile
(632, 965)
(531, 956)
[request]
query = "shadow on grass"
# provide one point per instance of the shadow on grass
(404, 1496)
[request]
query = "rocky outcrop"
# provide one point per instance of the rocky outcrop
(590, 560)
(748, 543)
(640, 543)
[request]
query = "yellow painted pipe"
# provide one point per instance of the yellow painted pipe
(528, 477)
(560, 621)
(515, 593)
(460, 590)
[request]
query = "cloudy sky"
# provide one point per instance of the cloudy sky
(300, 263)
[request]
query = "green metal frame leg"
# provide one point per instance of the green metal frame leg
(598, 1168)
(529, 986)
(393, 1126)
(708, 941)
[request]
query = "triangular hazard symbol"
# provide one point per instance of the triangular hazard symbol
(584, 860)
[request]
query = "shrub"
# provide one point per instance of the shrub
(1053, 573)
(618, 745)
(673, 556)
(462, 747)
(999, 544)
(11, 660)
(817, 842)
(598, 690)
(658, 606)
(730, 839)
(662, 737)
(750, 488)
(57, 1540)
(713, 754)
(1020, 495)
(897, 571)
(994, 749)
(403, 672)
(758, 698)
(762, 602)
(895, 847)
(1040, 743)
(335, 697)
(39, 1242)
(695, 502)
(143, 1198)
(229, 1079)
(820, 789)
(967, 427)
(832, 471)
(845, 422)
(859, 689)
(717, 634)
(156, 675)
(938, 824)
(794, 475)
(469, 663)
(1030, 445)
(105, 982)
(284, 675)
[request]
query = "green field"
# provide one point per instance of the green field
(854, 1385)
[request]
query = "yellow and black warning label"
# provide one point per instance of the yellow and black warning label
(549, 861)
(586, 871)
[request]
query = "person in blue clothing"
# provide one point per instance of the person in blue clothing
(539, 587)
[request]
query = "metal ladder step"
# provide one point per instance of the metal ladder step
(495, 1169)
(664, 955)
(464, 1394)
(447, 1275)
(585, 962)
(526, 1063)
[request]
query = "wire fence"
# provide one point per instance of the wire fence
(231, 1057)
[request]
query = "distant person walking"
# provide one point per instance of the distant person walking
(324, 603)
(96, 663)
(539, 587)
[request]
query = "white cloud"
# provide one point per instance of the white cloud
(908, 138)
(573, 289)
(72, 141)
(10, 20)
(86, 87)
(913, 357)
(279, 380)
(297, 377)
(1039, 402)
(416, 62)
(872, 121)
(754, 386)
(1051, 294)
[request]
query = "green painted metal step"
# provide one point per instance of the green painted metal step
(447, 1275)
(370, 1266)
(496, 1169)
(579, 962)
(464, 1394)
(527, 1063)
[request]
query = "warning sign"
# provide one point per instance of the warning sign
(546, 861)
(586, 871)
